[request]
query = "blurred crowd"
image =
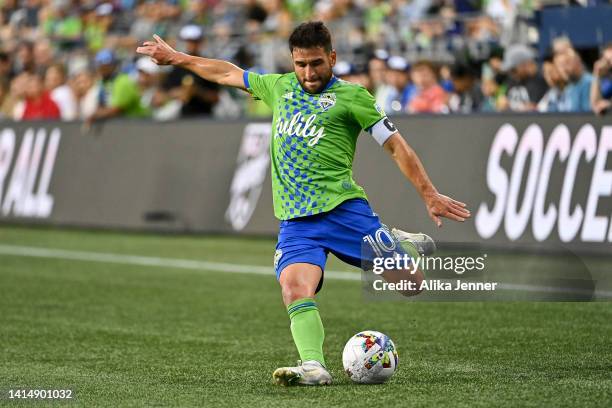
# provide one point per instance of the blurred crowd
(510, 80)
(75, 60)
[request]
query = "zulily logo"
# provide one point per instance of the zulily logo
(299, 126)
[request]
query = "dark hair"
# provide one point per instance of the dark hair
(309, 35)
(428, 65)
(462, 71)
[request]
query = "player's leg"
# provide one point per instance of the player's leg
(299, 283)
(299, 263)
(415, 245)
(357, 237)
(381, 243)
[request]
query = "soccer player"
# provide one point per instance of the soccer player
(316, 121)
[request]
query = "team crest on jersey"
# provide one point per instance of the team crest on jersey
(327, 100)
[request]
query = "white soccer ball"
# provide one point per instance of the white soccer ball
(369, 357)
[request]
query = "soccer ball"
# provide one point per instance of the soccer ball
(369, 357)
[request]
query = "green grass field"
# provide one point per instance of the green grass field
(122, 334)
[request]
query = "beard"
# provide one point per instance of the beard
(324, 81)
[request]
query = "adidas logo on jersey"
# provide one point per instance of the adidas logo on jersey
(288, 95)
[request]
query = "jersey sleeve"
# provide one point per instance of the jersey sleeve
(371, 117)
(365, 110)
(261, 86)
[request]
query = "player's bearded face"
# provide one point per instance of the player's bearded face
(313, 67)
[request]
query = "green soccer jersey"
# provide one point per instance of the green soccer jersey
(313, 141)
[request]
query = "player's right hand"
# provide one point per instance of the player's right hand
(159, 51)
(438, 205)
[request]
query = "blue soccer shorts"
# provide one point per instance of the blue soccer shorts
(348, 231)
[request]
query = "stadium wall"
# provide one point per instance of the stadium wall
(531, 181)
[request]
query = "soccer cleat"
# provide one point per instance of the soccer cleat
(308, 373)
(422, 242)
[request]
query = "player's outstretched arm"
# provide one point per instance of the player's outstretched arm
(213, 70)
(438, 205)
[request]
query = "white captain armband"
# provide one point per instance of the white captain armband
(382, 130)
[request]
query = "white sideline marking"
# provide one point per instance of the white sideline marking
(37, 252)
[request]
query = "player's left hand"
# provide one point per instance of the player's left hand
(439, 205)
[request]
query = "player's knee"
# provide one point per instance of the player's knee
(293, 291)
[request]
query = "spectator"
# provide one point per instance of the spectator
(5, 66)
(445, 79)
(197, 12)
(13, 104)
(343, 70)
(375, 16)
(377, 66)
(255, 13)
(429, 97)
(61, 93)
(197, 95)
(352, 73)
(152, 97)
(4, 95)
(64, 25)
(25, 58)
(561, 45)
(555, 99)
(7, 10)
(148, 77)
(525, 85)
(224, 46)
(493, 94)
(153, 17)
(493, 82)
(393, 95)
(251, 107)
(97, 24)
(601, 87)
(413, 11)
(31, 10)
(493, 67)
(579, 80)
(278, 19)
(300, 10)
(43, 55)
(118, 93)
(38, 103)
(467, 96)
(86, 92)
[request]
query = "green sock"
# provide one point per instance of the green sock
(307, 329)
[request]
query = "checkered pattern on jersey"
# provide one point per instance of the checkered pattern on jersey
(301, 194)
